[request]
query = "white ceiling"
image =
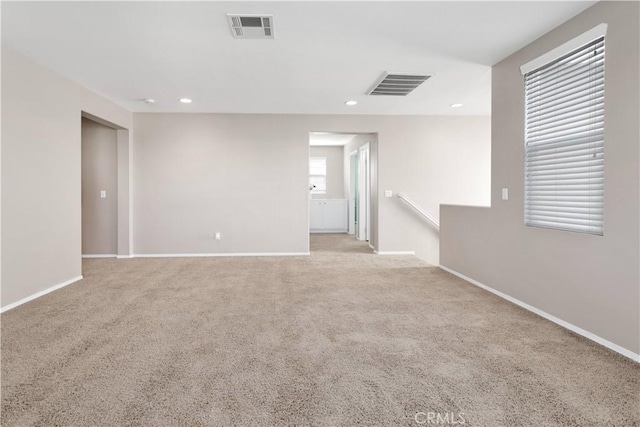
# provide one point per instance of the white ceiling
(328, 139)
(323, 54)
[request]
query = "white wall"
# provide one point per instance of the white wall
(592, 282)
(197, 174)
(335, 171)
(432, 160)
(246, 176)
(41, 174)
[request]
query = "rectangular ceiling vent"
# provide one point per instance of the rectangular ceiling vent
(251, 26)
(397, 84)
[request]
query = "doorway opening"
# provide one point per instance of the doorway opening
(343, 185)
(99, 190)
(105, 189)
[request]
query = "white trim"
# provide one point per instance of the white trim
(394, 252)
(124, 256)
(565, 48)
(334, 230)
(39, 294)
(99, 256)
(615, 347)
(242, 254)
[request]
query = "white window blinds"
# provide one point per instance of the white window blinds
(564, 142)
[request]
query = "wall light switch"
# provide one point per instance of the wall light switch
(505, 194)
(103, 194)
(218, 236)
(388, 193)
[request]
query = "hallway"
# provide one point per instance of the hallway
(324, 243)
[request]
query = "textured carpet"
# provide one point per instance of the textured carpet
(342, 337)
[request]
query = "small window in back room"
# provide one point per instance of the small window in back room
(564, 141)
(318, 175)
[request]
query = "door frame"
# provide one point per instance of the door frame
(124, 191)
(353, 165)
(364, 192)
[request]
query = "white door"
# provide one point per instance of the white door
(353, 193)
(367, 185)
(363, 193)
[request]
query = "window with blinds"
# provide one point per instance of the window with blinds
(564, 142)
(318, 175)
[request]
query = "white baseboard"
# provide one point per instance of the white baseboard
(99, 255)
(329, 231)
(615, 347)
(394, 252)
(124, 256)
(39, 294)
(241, 254)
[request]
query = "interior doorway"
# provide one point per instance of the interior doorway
(99, 190)
(343, 184)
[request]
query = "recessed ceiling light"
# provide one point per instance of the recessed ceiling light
(149, 100)
(185, 100)
(351, 103)
(456, 105)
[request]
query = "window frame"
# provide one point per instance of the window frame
(321, 176)
(575, 205)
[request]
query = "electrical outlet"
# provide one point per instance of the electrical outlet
(218, 237)
(505, 194)
(103, 194)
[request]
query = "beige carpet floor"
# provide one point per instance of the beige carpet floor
(342, 337)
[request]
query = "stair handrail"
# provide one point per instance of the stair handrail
(418, 209)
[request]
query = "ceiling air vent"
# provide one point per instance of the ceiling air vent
(251, 26)
(397, 84)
